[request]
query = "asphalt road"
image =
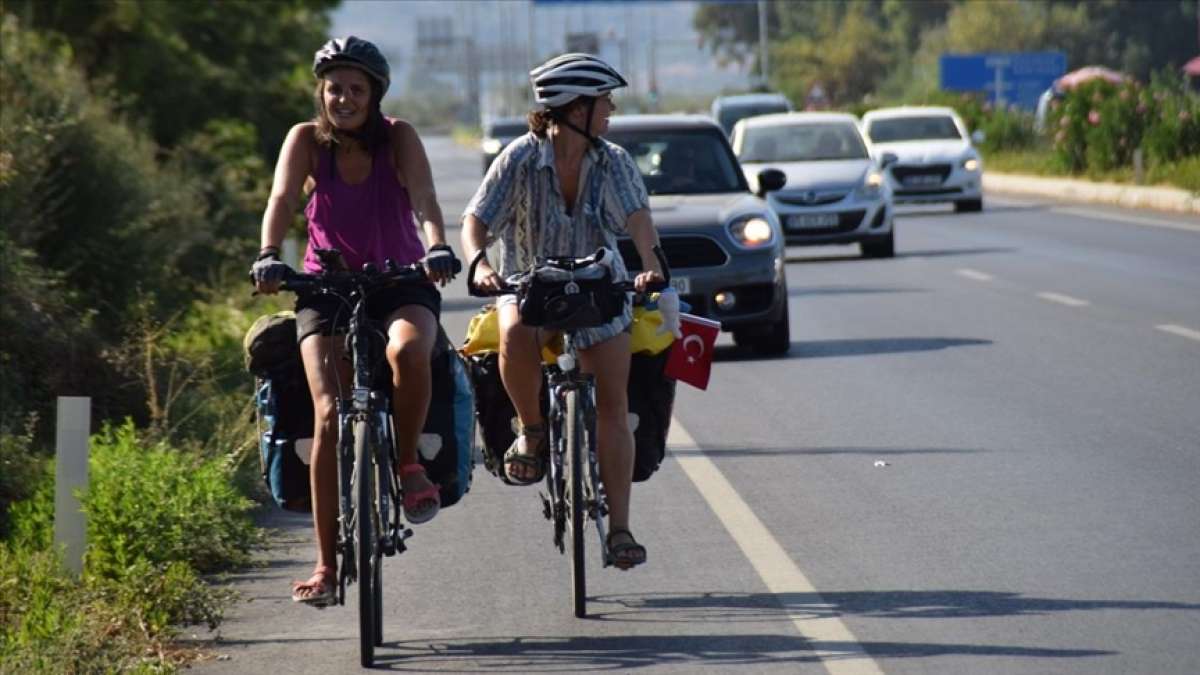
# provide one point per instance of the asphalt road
(978, 457)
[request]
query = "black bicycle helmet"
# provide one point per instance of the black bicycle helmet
(355, 53)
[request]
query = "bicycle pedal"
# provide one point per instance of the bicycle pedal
(546, 510)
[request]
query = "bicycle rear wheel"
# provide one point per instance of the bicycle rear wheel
(364, 540)
(576, 458)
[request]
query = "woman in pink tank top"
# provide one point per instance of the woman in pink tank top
(371, 186)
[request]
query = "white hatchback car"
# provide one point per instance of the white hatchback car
(835, 191)
(936, 160)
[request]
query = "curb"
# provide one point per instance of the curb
(1129, 196)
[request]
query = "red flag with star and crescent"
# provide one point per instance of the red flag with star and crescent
(691, 356)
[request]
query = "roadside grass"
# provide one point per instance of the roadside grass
(1183, 173)
(159, 519)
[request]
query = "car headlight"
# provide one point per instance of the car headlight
(491, 146)
(971, 164)
(870, 186)
(752, 232)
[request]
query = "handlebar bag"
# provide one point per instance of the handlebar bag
(563, 300)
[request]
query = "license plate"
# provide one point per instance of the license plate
(682, 285)
(812, 220)
(923, 180)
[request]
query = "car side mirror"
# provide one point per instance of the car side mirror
(977, 136)
(888, 159)
(770, 180)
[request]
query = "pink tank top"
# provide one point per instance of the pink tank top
(370, 221)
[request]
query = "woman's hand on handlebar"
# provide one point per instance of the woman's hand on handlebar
(440, 264)
(643, 281)
(486, 279)
(268, 273)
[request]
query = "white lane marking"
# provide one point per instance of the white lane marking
(974, 274)
(1180, 330)
(1063, 299)
(769, 559)
(1122, 218)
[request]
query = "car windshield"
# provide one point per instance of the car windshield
(682, 162)
(806, 142)
(730, 115)
(507, 129)
(923, 128)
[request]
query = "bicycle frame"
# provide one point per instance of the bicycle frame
(575, 493)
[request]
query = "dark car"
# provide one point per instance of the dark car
(723, 243)
(499, 133)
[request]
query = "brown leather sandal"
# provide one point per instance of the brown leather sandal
(534, 459)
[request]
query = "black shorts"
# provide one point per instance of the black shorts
(318, 314)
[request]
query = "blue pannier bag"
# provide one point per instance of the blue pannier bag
(285, 415)
(447, 443)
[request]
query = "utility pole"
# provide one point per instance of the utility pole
(762, 42)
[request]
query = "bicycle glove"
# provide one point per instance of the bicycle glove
(668, 304)
(440, 261)
(268, 269)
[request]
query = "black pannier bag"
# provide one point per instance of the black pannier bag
(651, 400)
(495, 412)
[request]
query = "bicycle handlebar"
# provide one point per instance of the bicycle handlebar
(369, 277)
(567, 263)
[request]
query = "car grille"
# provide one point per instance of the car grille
(929, 175)
(811, 198)
(682, 252)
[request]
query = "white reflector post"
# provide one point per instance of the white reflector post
(71, 476)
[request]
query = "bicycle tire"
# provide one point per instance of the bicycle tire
(381, 520)
(576, 428)
(364, 544)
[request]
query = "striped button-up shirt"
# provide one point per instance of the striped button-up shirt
(521, 204)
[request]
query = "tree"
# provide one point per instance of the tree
(177, 65)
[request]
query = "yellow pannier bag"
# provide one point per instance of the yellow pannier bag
(483, 333)
(645, 336)
(483, 336)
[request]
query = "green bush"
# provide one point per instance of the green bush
(1098, 125)
(156, 504)
(20, 471)
(157, 519)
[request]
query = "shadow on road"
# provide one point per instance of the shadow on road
(947, 604)
(812, 349)
(728, 649)
(738, 451)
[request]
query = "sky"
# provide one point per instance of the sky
(647, 40)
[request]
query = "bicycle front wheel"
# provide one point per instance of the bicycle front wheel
(576, 458)
(365, 549)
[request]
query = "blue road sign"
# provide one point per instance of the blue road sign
(1016, 78)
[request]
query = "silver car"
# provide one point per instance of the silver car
(835, 192)
(722, 242)
(936, 159)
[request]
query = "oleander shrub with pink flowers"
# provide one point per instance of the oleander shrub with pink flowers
(1097, 126)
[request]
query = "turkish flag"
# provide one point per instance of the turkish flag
(691, 356)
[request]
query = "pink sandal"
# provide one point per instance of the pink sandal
(323, 580)
(421, 506)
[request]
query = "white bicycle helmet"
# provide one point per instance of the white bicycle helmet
(565, 78)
